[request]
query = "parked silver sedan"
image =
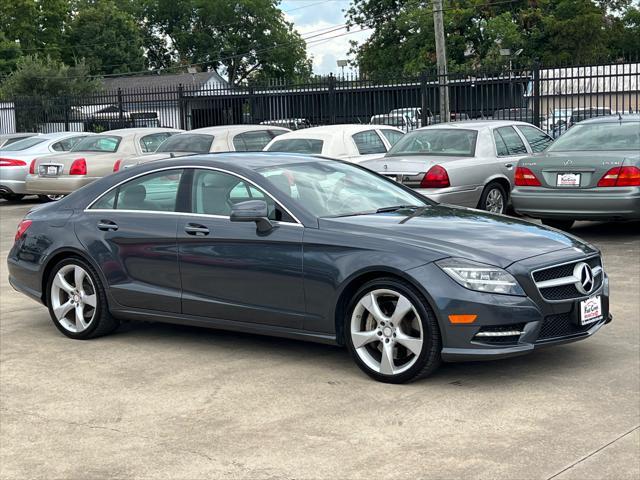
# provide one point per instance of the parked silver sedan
(16, 158)
(592, 172)
(471, 164)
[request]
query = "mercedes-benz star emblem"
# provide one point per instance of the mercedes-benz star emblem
(584, 275)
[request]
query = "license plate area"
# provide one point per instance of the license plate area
(568, 180)
(590, 310)
(49, 170)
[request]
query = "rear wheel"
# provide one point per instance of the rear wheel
(392, 332)
(77, 301)
(50, 198)
(493, 199)
(559, 224)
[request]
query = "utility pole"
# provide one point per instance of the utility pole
(441, 54)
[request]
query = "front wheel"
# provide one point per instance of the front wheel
(77, 301)
(392, 332)
(559, 224)
(493, 199)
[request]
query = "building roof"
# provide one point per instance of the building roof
(152, 80)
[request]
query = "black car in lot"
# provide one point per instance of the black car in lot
(307, 248)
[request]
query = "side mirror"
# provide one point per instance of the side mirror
(252, 211)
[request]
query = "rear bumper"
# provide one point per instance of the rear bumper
(62, 185)
(465, 197)
(616, 203)
(12, 180)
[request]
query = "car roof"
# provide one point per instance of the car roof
(19, 134)
(134, 131)
(243, 160)
(615, 118)
(327, 131)
(476, 124)
(57, 135)
(235, 128)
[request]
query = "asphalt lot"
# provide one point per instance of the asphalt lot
(162, 401)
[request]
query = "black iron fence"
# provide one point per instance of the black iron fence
(551, 98)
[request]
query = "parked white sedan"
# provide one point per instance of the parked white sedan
(225, 138)
(463, 163)
(354, 143)
(16, 157)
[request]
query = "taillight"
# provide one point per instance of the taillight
(78, 167)
(621, 177)
(526, 178)
(116, 166)
(10, 162)
(32, 167)
(436, 177)
(22, 228)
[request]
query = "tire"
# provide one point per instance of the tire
(13, 197)
(50, 198)
(493, 199)
(559, 224)
(63, 293)
(418, 328)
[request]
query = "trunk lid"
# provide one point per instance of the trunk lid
(576, 170)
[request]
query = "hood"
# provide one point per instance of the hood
(461, 232)
(409, 164)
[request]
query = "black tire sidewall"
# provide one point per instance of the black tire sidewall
(431, 332)
(485, 195)
(100, 298)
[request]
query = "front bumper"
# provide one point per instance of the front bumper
(622, 203)
(62, 185)
(542, 323)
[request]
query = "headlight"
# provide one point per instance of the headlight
(480, 277)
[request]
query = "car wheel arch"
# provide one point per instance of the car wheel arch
(503, 182)
(352, 284)
(56, 257)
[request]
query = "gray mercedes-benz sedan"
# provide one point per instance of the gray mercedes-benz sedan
(592, 172)
(312, 249)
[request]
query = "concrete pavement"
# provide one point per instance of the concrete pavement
(162, 401)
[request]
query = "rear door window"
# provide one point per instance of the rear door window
(369, 142)
(512, 141)
(150, 143)
(251, 141)
(392, 136)
(538, 140)
(153, 192)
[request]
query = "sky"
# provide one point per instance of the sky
(317, 17)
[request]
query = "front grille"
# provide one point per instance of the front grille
(566, 291)
(562, 326)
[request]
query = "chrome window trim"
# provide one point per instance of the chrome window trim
(596, 271)
(184, 167)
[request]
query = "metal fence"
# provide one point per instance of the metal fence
(547, 97)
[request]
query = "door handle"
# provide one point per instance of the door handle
(508, 165)
(196, 229)
(107, 225)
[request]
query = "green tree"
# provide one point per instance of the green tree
(10, 52)
(43, 77)
(248, 40)
(106, 38)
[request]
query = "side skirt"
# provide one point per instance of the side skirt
(245, 327)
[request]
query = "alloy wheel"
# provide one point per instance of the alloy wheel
(73, 298)
(495, 201)
(55, 198)
(386, 331)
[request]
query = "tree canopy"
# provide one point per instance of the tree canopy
(548, 31)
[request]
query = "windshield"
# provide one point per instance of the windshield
(187, 142)
(336, 189)
(98, 143)
(437, 141)
(599, 137)
(298, 145)
(23, 144)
